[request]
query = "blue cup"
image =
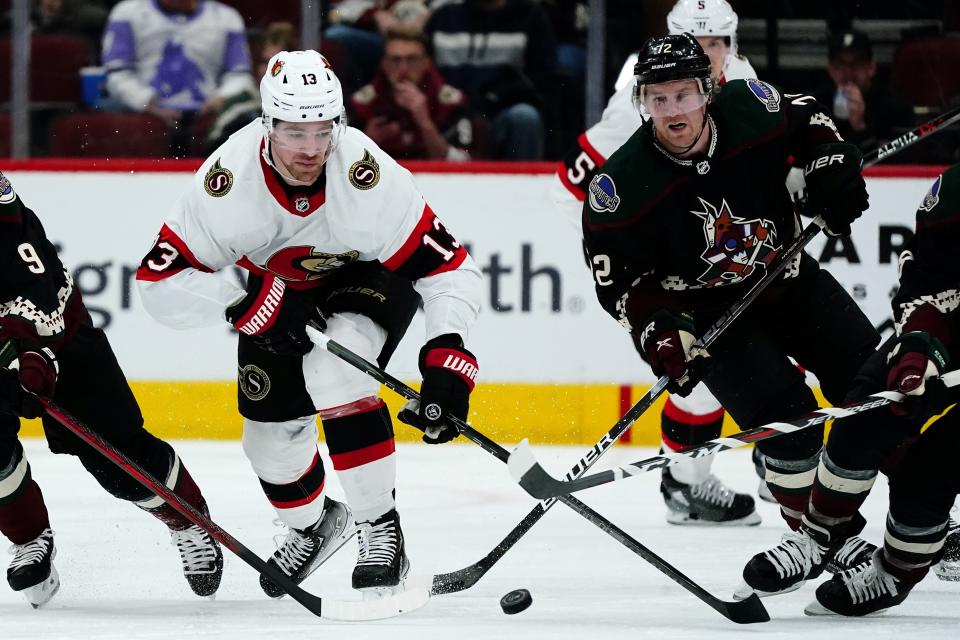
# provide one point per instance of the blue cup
(92, 85)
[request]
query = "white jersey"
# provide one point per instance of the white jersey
(619, 121)
(179, 60)
(237, 211)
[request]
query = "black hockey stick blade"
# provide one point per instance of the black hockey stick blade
(748, 611)
(463, 579)
(412, 598)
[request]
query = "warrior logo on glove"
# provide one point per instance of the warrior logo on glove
(449, 374)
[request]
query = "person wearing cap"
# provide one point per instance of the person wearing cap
(864, 109)
(335, 234)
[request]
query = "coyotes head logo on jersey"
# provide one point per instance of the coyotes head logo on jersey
(735, 246)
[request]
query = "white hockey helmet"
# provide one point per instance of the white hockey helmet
(300, 86)
(704, 18)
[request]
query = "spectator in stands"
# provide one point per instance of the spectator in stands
(502, 54)
(175, 59)
(408, 109)
(864, 109)
(359, 26)
(239, 109)
(65, 18)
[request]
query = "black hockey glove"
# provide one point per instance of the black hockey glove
(35, 375)
(666, 343)
(835, 189)
(916, 358)
(449, 373)
(276, 316)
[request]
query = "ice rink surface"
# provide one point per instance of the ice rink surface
(120, 578)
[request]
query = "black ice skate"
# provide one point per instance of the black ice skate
(382, 562)
(949, 566)
(854, 552)
(304, 550)
(201, 558)
(785, 567)
(32, 570)
(862, 591)
(709, 503)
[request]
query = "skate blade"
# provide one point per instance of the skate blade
(816, 609)
(682, 519)
(744, 591)
(40, 594)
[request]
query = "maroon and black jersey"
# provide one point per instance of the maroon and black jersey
(38, 301)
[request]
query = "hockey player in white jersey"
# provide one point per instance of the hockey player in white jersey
(692, 494)
(321, 218)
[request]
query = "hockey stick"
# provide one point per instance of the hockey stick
(351, 611)
(742, 611)
(531, 475)
(779, 264)
(910, 137)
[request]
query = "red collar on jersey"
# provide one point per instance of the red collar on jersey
(300, 202)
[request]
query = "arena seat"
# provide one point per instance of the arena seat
(109, 135)
(55, 63)
(925, 71)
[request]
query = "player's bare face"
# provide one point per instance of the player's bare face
(678, 110)
(716, 49)
(301, 148)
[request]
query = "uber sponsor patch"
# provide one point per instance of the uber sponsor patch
(364, 173)
(218, 180)
(254, 382)
(766, 94)
(603, 194)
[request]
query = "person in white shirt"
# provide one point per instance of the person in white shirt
(333, 232)
(175, 58)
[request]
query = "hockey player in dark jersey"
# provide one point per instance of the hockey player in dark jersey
(924, 477)
(61, 355)
(687, 215)
(693, 495)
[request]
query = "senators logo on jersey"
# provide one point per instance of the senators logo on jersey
(218, 180)
(364, 173)
(299, 264)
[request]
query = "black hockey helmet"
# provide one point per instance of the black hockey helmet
(673, 57)
(669, 58)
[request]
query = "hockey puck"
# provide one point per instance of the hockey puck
(516, 601)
